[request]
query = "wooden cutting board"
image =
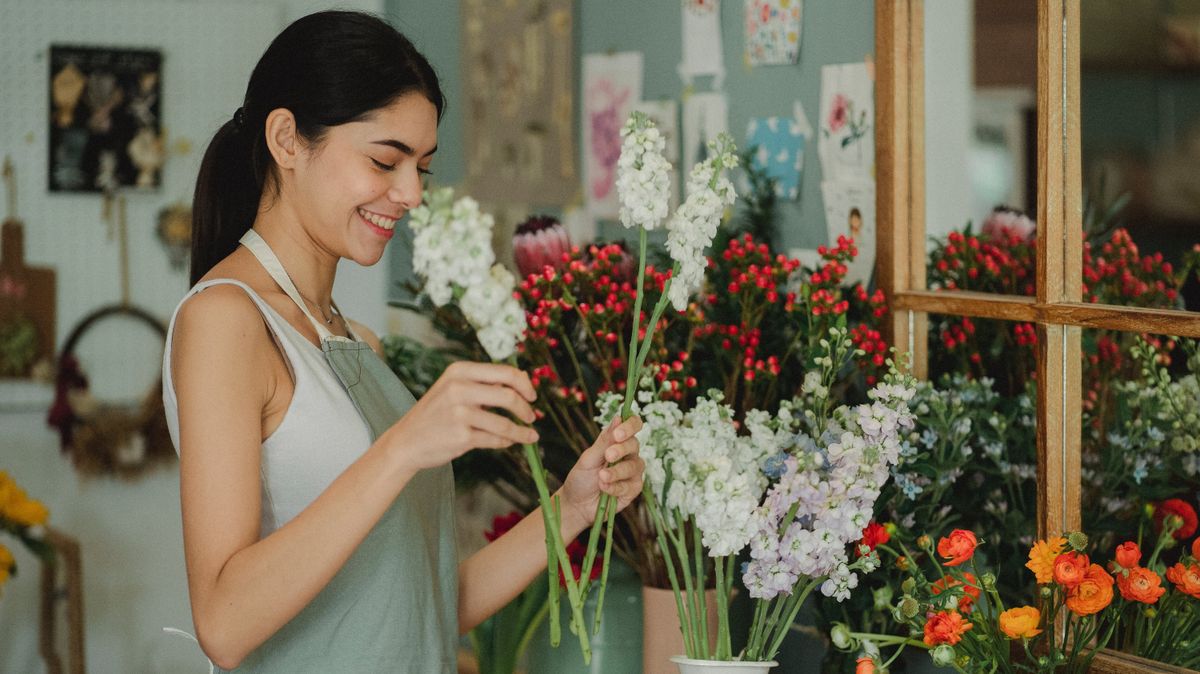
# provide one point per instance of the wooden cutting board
(26, 291)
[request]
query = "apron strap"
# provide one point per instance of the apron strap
(253, 241)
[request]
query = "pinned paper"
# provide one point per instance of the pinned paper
(850, 212)
(778, 149)
(773, 29)
(705, 116)
(612, 84)
(703, 53)
(846, 144)
(665, 115)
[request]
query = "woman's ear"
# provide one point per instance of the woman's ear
(281, 137)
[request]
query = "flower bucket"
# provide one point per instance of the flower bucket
(690, 666)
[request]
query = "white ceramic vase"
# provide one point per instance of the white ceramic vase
(690, 666)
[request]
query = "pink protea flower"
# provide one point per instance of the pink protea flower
(1004, 222)
(540, 242)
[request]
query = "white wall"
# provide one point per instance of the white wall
(949, 82)
(132, 548)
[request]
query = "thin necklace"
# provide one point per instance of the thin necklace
(328, 319)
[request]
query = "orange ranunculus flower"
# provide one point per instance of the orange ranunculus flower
(1128, 555)
(1140, 584)
(1042, 556)
(864, 665)
(946, 627)
(957, 547)
(1186, 578)
(970, 590)
(1070, 568)
(1021, 623)
(1181, 509)
(1196, 549)
(1093, 594)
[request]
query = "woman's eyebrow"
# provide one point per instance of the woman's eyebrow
(403, 147)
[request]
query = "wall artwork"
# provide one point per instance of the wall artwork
(612, 85)
(105, 119)
(778, 144)
(847, 120)
(773, 29)
(520, 128)
(703, 54)
(850, 212)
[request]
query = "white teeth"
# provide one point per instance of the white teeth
(377, 220)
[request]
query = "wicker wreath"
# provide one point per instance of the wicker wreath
(107, 439)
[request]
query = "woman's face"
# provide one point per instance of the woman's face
(355, 185)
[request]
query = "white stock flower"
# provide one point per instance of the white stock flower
(643, 174)
(452, 243)
(692, 228)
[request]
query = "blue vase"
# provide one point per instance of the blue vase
(617, 649)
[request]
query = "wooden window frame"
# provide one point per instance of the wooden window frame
(1057, 309)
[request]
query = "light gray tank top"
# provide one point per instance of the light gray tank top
(393, 605)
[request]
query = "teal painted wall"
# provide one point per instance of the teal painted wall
(833, 32)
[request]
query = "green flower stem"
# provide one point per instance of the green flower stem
(700, 640)
(552, 578)
(724, 583)
(549, 505)
(700, 560)
(795, 610)
(890, 640)
(661, 528)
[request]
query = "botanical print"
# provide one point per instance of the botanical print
(105, 126)
(847, 136)
(773, 30)
(612, 84)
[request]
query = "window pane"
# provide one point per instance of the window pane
(980, 124)
(1141, 464)
(1140, 139)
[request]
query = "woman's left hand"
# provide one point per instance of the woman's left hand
(592, 474)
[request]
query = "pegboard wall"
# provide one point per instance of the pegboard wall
(209, 49)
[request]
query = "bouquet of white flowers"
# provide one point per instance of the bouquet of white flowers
(797, 488)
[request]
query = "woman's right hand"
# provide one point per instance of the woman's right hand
(453, 417)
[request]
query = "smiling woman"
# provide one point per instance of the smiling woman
(317, 494)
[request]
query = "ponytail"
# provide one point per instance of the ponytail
(327, 68)
(228, 192)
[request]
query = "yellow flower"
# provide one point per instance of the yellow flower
(6, 563)
(27, 512)
(1042, 556)
(1021, 623)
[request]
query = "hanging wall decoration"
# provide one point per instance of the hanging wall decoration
(105, 121)
(773, 29)
(520, 133)
(778, 145)
(703, 53)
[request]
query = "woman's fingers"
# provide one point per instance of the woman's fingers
(493, 373)
(503, 397)
(496, 425)
(624, 479)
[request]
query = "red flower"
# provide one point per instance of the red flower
(1128, 555)
(1070, 568)
(970, 590)
(1180, 508)
(875, 534)
(946, 627)
(957, 547)
(501, 525)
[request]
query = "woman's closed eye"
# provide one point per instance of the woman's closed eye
(391, 167)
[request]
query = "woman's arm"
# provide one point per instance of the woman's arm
(244, 589)
(492, 577)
